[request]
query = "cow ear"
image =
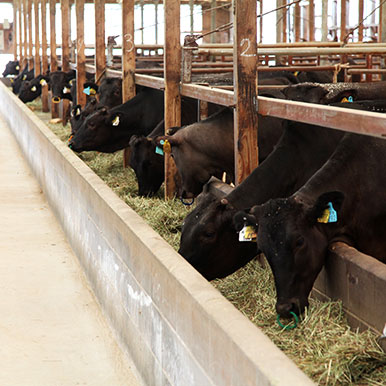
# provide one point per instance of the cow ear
(326, 208)
(243, 218)
(115, 119)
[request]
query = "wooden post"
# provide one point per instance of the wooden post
(25, 24)
(21, 56)
(297, 22)
(261, 21)
(66, 23)
(156, 22)
(15, 29)
(279, 22)
(380, 25)
(213, 20)
(172, 75)
(30, 38)
(360, 18)
(128, 60)
(53, 56)
(284, 22)
(311, 20)
(343, 18)
(324, 20)
(45, 107)
(37, 38)
(80, 56)
(100, 44)
(245, 88)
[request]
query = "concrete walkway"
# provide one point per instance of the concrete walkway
(52, 332)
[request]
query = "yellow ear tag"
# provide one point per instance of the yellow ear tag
(92, 91)
(66, 90)
(12, 80)
(325, 216)
(33, 88)
(43, 82)
(77, 112)
(296, 73)
(17, 68)
(24, 77)
(248, 233)
(167, 148)
(115, 121)
(344, 100)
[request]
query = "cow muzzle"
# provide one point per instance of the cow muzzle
(285, 307)
(56, 99)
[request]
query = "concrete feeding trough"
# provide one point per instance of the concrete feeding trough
(176, 328)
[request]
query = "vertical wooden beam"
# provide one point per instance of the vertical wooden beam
(343, 18)
(191, 8)
(15, 29)
(142, 22)
(53, 56)
(380, 25)
(279, 22)
(311, 20)
(213, 21)
(156, 22)
(25, 31)
(37, 38)
(128, 60)
(261, 21)
(30, 38)
(66, 28)
(324, 20)
(245, 88)
(80, 56)
(45, 107)
(172, 75)
(100, 44)
(284, 22)
(20, 19)
(297, 22)
(360, 18)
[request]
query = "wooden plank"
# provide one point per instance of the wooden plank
(343, 19)
(53, 56)
(25, 31)
(245, 85)
(80, 56)
(360, 18)
(66, 28)
(16, 28)
(100, 44)
(128, 60)
(172, 66)
(45, 106)
(311, 20)
(324, 20)
(37, 38)
(20, 16)
(297, 22)
(30, 37)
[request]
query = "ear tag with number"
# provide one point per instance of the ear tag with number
(248, 233)
(158, 150)
(115, 121)
(24, 77)
(43, 82)
(92, 91)
(344, 100)
(350, 99)
(33, 88)
(66, 90)
(17, 68)
(87, 91)
(329, 215)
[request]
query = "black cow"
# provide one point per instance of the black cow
(31, 89)
(110, 92)
(344, 201)
(12, 68)
(147, 164)
(78, 115)
(208, 240)
(60, 83)
(23, 76)
(335, 92)
(109, 130)
(206, 148)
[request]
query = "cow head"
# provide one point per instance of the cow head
(294, 235)
(148, 165)
(12, 68)
(31, 89)
(96, 132)
(61, 82)
(305, 92)
(188, 161)
(208, 240)
(78, 115)
(110, 92)
(22, 77)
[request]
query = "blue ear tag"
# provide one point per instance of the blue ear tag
(350, 99)
(158, 150)
(87, 91)
(333, 215)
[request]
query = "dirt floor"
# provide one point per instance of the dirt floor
(52, 332)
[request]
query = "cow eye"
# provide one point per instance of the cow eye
(209, 234)
(299, 242)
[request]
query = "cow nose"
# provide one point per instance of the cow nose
(55, 99)
(284, 309)
(186, 194)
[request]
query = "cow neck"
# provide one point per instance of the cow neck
(284, 171)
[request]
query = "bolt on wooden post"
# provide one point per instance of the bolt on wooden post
(245, 86)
